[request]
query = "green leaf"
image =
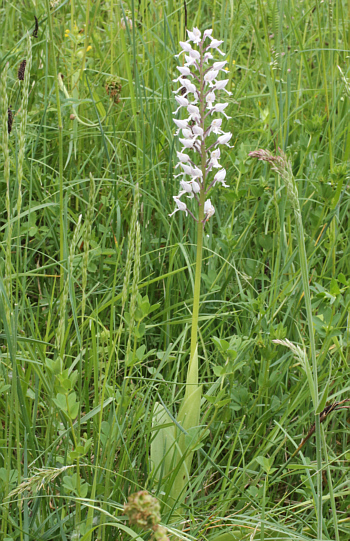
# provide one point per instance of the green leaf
(231, 536)
(60, 402)
(163, 442)
(220, 343)
(265, 463)
(140, 352)
(323, 400)
(334, 288)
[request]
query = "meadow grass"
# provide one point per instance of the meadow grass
(97, 282)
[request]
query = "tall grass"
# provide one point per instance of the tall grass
(96, 311)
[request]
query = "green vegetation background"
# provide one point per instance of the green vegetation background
(118, 65)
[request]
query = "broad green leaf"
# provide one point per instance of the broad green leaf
(163, 443)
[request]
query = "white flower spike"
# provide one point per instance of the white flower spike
(198, 95)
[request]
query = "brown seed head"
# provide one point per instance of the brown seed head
(9, 120)
(21, 70)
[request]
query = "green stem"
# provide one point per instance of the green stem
(197, 280)
(60, 141)
(200, 227)
(306, 288)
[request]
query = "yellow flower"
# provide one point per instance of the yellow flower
(226, 69)
(233, 62)
(67, 31)
(89, 48)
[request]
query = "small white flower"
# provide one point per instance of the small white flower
(207, 56)
(219, 65)
(187, 187)
(219, 108)
(190, 87)
(195, 186)
(193, 111)
(190, 61)
(180, 205)
(210, 98)
(215, 44)
(183, 102)
(220, 177)
(187, 143)
(224, 139)
(186, 71)
(187, 133)
(195, 54)
(196, 172)
(184, 158)
(181, 124)
(187, 169)
(181, 81)
(214, 157)
(207, 34)
(197, 130)
(209, 210)
(210, 76)
(186, 47)
(220, 85)
(194, 36)
(215, 126)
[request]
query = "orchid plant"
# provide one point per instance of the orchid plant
(174, 442)
(202, 135)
